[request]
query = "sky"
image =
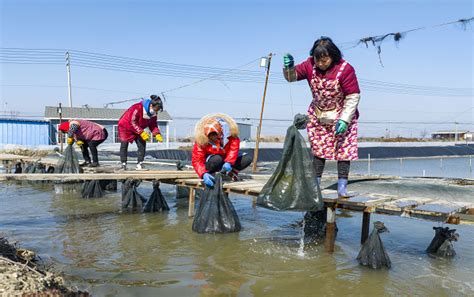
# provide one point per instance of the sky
(229, 34)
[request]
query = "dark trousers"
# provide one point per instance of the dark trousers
(92, 145)
(343, 167)
(215, 162)
(141, 145)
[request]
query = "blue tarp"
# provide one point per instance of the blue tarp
(272, 154)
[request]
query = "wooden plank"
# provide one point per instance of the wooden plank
(95, 176)
(12, 157)
(262, 177)
(184, 180)
(364, 201)
(440, 208)
(191, 182)
(399, 206)
(9, 158)
(185, 173)
(242, 186)
(254, 191)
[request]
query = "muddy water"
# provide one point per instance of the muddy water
(110, 253)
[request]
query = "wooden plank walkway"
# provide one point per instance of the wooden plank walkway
(417, 207)
(9, 161)
(70, 177)
(436, 210)
(251, 185)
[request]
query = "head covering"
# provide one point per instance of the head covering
(212, 125)
(153, 101)
(64, 126)
(146, 105)
(156, 101)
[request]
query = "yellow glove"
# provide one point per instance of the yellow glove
(70, 140)
(79, 142)
(159, 138)
(145, 136)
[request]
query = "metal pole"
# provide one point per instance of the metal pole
(368, 163)
(470, 164)
(68, 68)
(259, 129)
(60, 134)
(168, 135)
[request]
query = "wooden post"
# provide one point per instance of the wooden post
(60, 134)
(192, 196)
(368, 164)
(6, 165)
(254, 202)
(259, 128)
(330, 229)
(365, 227)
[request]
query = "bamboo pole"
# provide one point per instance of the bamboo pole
(259, 129)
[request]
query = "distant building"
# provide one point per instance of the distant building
(244, 131)
(24, 132)
(451, 135)
(107, 117)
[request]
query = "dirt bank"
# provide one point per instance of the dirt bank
(23, 274)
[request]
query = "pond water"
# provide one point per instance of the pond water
(114, 253)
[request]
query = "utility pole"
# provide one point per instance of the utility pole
(68, 68)
(60, 134)
(259, 129)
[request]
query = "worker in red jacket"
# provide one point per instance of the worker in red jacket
(216, 148)
(132, 124)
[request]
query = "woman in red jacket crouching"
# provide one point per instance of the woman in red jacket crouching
(216, 148)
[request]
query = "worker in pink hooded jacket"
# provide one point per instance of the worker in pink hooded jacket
(132, 125)
(87, 135)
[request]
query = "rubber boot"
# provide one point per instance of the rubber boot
(342, 187)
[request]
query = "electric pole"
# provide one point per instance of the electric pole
(60, 134)
(259, 129)
(68, 68)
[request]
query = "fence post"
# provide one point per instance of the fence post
(368, 163)
(470, 164)
(401, 166)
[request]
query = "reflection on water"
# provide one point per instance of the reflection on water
(111, 253)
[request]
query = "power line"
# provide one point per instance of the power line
(211, 77)
(377, 40)
(207, 73)
(271, 102)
